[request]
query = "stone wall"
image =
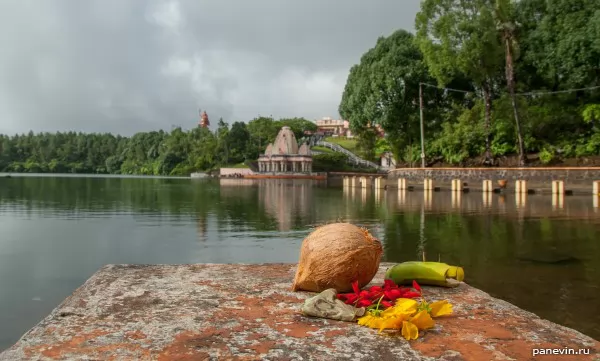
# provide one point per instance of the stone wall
(579, 179)
(230, 171)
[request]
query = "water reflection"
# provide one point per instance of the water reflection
(521, 200)
(286, 200)
(456, 200)
(535, 251)
(487, 199)
(522, 249)
(558, 201)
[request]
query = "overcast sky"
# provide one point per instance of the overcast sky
(134, 65)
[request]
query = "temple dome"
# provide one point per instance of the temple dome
(285, 143)
(269, 150)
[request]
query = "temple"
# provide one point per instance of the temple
(204, 122)
(284, 155)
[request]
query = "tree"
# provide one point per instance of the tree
(560, 40)
(222, 143)
(460, 36)
(367, 141)
(504, 14)
(384, 89)
(298, 126)
(237, 139)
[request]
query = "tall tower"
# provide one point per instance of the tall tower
(204, 122)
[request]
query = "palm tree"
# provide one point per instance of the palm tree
(507, 29)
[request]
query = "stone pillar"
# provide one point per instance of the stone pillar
(401, 183)
(457, 185)
(309, 167)
(521, 186)
(558, 187)
(427, 184)
(353, 182)
(365, 182)
(487, 186)
(596, 188)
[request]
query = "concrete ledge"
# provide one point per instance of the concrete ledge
(246, 312)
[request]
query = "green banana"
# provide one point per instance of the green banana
(426, 273)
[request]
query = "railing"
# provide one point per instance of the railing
(352, 158)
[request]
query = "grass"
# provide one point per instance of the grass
(349, 144)
(239, 165)
(321, 149)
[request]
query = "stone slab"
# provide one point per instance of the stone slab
(247, 312)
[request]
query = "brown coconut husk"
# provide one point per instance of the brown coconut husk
(334, 256)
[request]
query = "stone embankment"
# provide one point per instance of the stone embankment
(582, 180)
(247, 312)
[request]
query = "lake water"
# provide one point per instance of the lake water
(55, 232)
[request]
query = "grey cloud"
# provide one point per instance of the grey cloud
(132, 65)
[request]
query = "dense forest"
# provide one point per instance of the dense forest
(148, 153)
(496, 79)
(499, 78)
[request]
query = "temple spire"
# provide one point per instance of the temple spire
(204, 122)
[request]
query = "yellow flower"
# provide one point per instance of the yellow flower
(440, 308)
(409, 331)
(370, 321)
(393, 322)
(408, 316)
(422, 320)
(403, 306)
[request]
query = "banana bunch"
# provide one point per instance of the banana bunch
(426, 273)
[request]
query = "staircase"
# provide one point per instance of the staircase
(352, 158)
(252, 164)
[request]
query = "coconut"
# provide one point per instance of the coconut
(334, 256)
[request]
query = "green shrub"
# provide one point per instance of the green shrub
(329, 162)
(546, 155)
